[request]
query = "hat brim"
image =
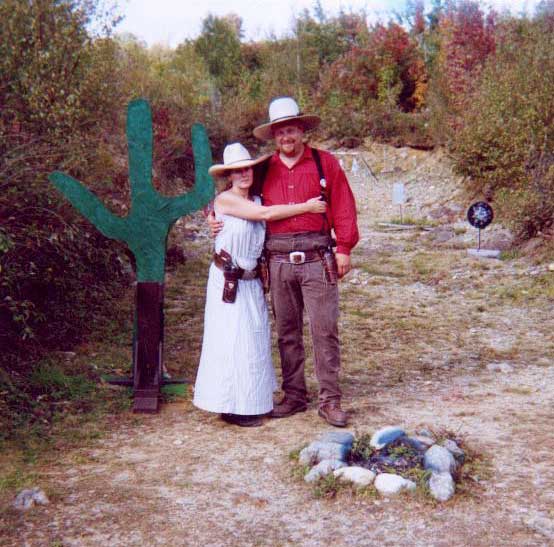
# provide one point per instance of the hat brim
(220, 170)
(264, 133)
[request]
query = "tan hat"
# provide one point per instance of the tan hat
(235, 156)
(284, 109)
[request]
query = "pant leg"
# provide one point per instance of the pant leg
(321, 299)
(288, 305)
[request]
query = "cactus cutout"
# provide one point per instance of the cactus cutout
(145, 230)
(146, 227)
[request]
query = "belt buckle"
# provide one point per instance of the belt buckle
(297, 257)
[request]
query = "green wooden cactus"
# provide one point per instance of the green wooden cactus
(146, 227)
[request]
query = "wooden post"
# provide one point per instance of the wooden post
(147, 368)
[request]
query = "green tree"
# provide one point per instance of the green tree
(219, 46)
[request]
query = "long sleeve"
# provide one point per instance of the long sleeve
(342, 205)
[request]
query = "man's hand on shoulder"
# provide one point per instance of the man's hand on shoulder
(215, 225)
(343, 264)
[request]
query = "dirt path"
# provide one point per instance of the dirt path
(423, 328)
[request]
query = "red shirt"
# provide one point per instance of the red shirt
(300, 183)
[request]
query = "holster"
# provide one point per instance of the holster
(263, 271)
(231, 284)
(329, 265)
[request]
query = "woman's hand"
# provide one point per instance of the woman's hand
(316, 205)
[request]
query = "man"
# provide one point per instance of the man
(301, 260)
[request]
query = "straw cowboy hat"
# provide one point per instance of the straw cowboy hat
(281, 110)
(235, 156)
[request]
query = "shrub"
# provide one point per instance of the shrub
(506, 142)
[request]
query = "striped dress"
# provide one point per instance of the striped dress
(236, 373)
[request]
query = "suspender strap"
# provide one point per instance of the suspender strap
(322, 180)
(322, 188)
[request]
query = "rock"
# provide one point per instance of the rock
(385, 436)
(425, 433)
(444, 214)
(390, 484)
(30, 497)
(500, 239)
(307, 456)
(441, 486)
(531, 245)
(484, 253)
(358, 475)
(439, 460)
(500, 367)
(416, 444)
(541, 524)
(323, 468)
(319, 451)
(339, 437)
(551, 267)
(441, 235)
(454, 449)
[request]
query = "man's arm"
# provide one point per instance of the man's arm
(343, 213)
(215, 225)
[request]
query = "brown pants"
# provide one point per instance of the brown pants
(293, 287)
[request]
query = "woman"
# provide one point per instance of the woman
(236, 376)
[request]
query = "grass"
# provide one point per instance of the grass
(531, 290)
(411, 221)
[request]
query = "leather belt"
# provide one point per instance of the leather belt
(241, 273)
(296, 257)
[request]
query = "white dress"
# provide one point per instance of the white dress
(236, 374)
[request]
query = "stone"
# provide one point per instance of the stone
(417, 444)
(442, 236)
(484, 253)
(307, 456)
(355, 474)
(500, 367)
(385, 436)
(390, 484)
(319, 451)
(30, 497)
(340, 437)
(441, 486)
(323, 468)
(454, 449)
(541, 523)
(439, 459)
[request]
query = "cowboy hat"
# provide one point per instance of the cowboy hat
(235, 156)
(281, 110)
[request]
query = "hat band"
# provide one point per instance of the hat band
(287, 117)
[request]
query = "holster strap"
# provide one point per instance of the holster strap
(240, 273)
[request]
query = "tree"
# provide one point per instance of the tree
(219, 46)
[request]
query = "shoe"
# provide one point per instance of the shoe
(242, 421)
(333, 414)
(287, 408)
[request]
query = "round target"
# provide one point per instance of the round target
(480, 215)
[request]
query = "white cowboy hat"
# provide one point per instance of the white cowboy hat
(235, 156)
(283, 109)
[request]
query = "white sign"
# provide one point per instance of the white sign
(398, 195)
